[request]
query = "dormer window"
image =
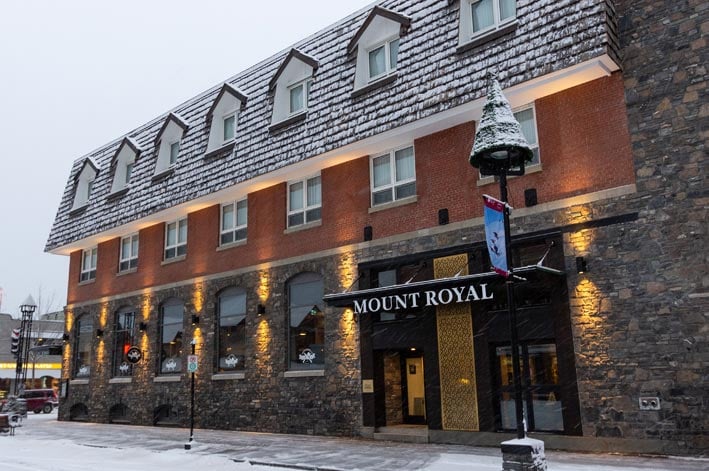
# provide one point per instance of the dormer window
(291, 86)
(84, 183)
(167, 143)
(223, 116)
(122, 164)
(483, 20)
(376, 47)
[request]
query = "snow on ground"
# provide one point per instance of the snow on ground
(35, 448)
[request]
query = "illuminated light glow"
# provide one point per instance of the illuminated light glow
(263, 286)
(146, 307)
(198, 296)
(263, 346)
(39, 366)
(103, 316)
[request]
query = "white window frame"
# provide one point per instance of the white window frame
(305, 83)
(497, 21)
(130, 262)
(128, 171)
(393, 182)
(231, 114)
(179, 248)
(238, 231)
(306, 209)
(388, 66)
(170, 161)
(88, 273)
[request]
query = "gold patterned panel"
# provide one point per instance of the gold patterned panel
(456, 354)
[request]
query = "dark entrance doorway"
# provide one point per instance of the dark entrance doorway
(401, 395)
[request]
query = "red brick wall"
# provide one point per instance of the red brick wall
(584, 147)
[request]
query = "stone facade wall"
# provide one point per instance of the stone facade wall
(392, 389)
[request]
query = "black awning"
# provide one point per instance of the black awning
(347, 299)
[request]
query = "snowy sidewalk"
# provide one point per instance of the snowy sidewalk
(160, 448)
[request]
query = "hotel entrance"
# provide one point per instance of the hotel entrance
(402, 393)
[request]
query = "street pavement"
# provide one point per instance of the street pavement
(320, 453)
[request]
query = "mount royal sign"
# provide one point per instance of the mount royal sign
(427, 298)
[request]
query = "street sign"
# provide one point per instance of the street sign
(191, 363)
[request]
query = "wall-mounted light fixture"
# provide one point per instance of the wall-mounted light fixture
(260, 309)
(315, 310)
(195, 319)
(99, 333)
(581, 265)
(368, 233)
(143, 326)
(443, 216)
(65, 337)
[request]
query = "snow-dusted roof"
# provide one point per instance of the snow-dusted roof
(433, 76)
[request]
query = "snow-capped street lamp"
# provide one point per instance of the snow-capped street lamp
(500, 149)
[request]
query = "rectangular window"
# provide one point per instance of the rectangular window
(88, 264)
(489, 14)
(170, 337)
(129, 253)
(231, 349)
(304, 201)
(383, 59)
(174, 151)
(233, 222)
(393, 176)
(129, 171)
(299, 96)
(89, 187)
(123, 338)
(306, 346)
(527, 121)
(229, 125)
(175, 239)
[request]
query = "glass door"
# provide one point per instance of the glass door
(541, 391)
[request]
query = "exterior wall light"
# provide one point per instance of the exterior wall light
(99, 333)
(195, 319)
(143, 326)
(65, 337)
(260, 309)
(581, 265)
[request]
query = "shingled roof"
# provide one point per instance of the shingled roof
(433, 76)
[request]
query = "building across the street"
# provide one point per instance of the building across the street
(312, 230)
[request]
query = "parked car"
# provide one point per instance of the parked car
(40, 400)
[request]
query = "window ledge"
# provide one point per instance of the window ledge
(162, 175)
(303, 227)
(226, 376)
(303, 373)
(179, 258)
(120, 380)
(118, 194)
(168, 379)
(380, 82)
(488, 180)
(488, 36)
(221, 151)
(127, 272)
(78, 210)
(87, 282)
(231, 245)
(73, 382)
(284, 123)
(393, 204)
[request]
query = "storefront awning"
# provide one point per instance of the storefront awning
(348, 298)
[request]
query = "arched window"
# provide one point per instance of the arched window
(231, 338)
(82, 346)
(170, 337)
(306, 331)
(124, 331)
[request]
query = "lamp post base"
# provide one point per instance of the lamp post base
(523, 454)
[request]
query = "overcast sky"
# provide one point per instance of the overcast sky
(76, 74)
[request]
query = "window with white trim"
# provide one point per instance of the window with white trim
(383, 59)
(304, 201)
(488, 15)
(234, 220)
(229, 127)
(527, 119)
(175, 239)
(298, 96)
(88, 264)
(167, 143)
(123, 163)
(393, 176)
(128, 172)
(174, 151)
(128, 258)
(84, 184)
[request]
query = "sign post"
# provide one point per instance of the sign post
(192, 363)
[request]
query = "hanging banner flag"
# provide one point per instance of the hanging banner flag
(495, 234)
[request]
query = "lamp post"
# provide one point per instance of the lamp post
(500, 149)
(27, 309)
(192, 363)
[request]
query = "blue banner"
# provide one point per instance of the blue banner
(495, 234)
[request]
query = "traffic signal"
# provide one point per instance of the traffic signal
(15, 342)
